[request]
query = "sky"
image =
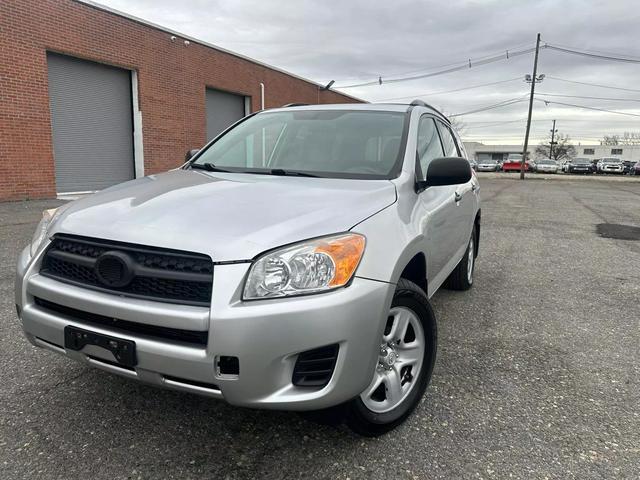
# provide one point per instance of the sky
(358, 41)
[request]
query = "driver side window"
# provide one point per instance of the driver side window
(428, 145)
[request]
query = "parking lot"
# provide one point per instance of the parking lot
(537, 375)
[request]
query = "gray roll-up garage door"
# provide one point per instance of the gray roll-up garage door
(91, 117)
(223, 109)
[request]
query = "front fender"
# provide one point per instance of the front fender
(391, 244)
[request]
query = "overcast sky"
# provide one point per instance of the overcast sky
(354, 41)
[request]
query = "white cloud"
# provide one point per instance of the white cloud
(361, 39)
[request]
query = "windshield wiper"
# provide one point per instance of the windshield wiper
(280, 171)
(209, 167)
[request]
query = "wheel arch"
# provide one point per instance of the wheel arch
(415, 270)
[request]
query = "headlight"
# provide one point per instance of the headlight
(308, 267)
(41, 230)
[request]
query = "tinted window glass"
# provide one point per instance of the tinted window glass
(449, 144)
(429, 146)
(338, 143)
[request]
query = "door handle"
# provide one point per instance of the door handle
(474, 187)
(458, 196)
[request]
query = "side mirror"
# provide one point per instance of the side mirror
(446, 171)
(190, 154)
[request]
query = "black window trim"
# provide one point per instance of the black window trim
(419, 173)
(453, 137)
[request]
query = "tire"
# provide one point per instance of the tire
(462, 276)
(368, 414)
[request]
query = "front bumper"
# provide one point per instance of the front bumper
(265, 335)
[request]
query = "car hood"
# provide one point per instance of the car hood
(225, 215)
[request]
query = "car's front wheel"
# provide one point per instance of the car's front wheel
(406, 357)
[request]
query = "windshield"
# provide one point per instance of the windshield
(489, 162)
(582, 161)
(323, 143)
(611, 160)
(514, 157)
(546, 162)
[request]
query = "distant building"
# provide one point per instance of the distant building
(479, 151)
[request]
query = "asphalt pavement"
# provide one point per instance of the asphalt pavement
(537, 374)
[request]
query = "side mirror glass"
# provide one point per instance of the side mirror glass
(446, 171)
(190, 154)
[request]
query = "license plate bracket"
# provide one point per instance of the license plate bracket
(124, 351)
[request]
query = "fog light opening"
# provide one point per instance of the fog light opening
(227, 366)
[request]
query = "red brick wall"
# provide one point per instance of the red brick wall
(171, 78)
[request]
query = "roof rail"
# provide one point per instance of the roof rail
(294, 105)
(421, 103)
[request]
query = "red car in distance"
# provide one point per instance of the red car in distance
(513, 163)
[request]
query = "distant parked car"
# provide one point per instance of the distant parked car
(513, 163)
(546, 166)
(610, 165)
(565, 166)
(627, 166)
(579, 165)
(488, 166)
(636, 169)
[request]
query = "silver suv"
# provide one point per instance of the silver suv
(287, 265)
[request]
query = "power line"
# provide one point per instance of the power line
(591, 50)
(464, 65)
(593, 84)
(592, 55)
(449, 91)
(618, 99)
(491, 107)
(426, 69)
(587, 108)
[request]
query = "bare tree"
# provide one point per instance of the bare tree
(456, 122)
(610, 140)
(627, 138)
(562, 148)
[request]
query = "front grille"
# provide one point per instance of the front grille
(314, 368)
(138, 271)
(125, 326)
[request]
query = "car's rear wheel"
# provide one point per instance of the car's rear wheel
(406, 357)
(462, 277)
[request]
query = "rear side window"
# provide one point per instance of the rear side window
(429, 146)
(448, 142)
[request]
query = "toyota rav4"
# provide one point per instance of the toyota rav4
(287, 265)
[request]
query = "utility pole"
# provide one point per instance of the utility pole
(553, 136)
(533, 89)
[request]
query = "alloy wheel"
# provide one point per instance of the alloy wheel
(399, 361)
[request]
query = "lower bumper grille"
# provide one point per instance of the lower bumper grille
(125, 326)
(314, 368)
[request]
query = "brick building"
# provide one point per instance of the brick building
(90, 96)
